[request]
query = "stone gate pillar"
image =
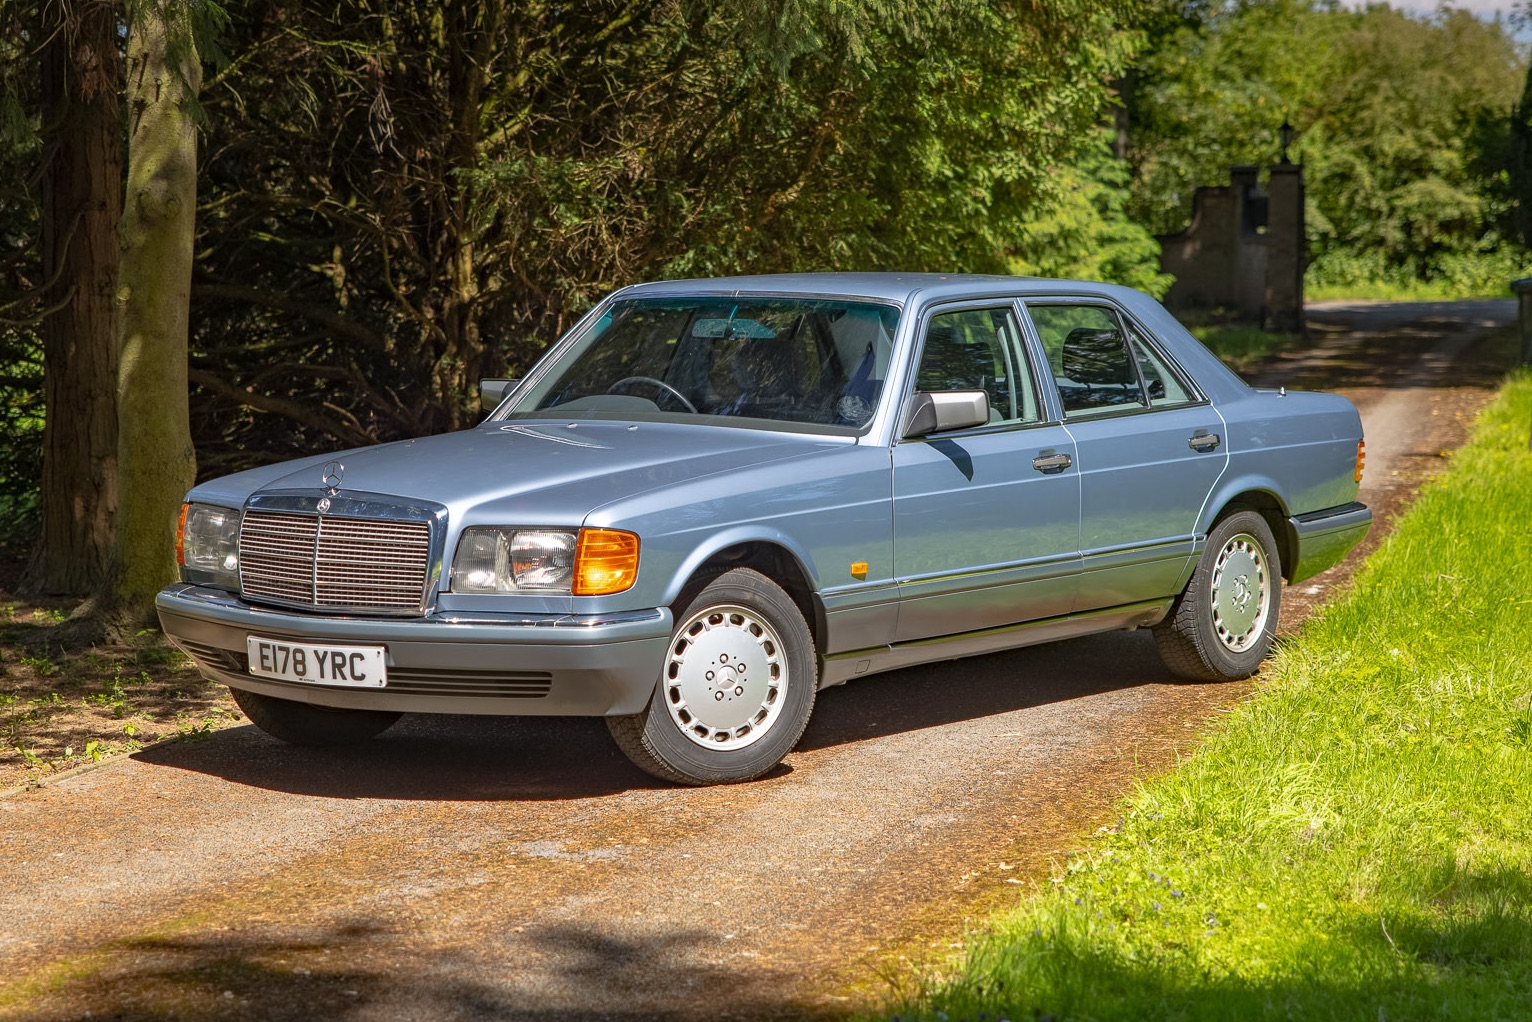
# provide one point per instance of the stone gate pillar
(1244, 252)
(1287, 249)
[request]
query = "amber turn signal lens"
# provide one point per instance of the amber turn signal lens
(1361, 458)
(181, 536)
(606, 562)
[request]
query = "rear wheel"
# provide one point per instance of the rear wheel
(736, 687)
(303, 724)
(1223, 623)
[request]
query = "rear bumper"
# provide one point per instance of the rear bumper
(1321, 538)
(533, 665)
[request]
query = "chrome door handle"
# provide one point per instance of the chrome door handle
(1050, 463)
(1203, 442)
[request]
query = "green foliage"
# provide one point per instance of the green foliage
(1349, 844)
(21, 432)
(21, 426)
(399, 199)
(1086, 233)
(1450, 275)
(1390, 111)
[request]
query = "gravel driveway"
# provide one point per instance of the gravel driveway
(522, 869)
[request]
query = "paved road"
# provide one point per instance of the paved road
(521, 869)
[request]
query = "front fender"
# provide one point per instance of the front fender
(732, 537)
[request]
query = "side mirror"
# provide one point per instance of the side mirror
(943, 410)
(492, 392)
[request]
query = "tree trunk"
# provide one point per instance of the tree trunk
(473, 35)
(155, 455)
(82, 203)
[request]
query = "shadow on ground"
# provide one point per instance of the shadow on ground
(331, 974)
(467, 758)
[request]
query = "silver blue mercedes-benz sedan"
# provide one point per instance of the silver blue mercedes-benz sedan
(713, 498)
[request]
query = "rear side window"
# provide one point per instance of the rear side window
(1093, 365)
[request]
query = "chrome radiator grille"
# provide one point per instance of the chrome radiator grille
(334, 562)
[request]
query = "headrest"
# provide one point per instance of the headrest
(1097, 357)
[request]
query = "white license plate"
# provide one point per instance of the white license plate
(353, 666)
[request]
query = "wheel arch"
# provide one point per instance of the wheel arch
(1262, 498)
(772, 556)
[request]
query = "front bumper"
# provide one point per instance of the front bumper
(533, 664)
(1320, 539)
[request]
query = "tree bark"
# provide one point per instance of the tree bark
(82, 203)
(155, 455)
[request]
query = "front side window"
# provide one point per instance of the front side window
(979, 349)
(1087, 349)
(814, 363)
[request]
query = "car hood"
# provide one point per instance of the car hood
(527, 472)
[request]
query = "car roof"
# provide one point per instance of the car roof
(902, 288)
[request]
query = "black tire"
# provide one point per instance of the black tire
(1222, 625)
(303, 724)
(736, 688)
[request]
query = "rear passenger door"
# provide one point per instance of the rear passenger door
(1150, 449)
(986, 529)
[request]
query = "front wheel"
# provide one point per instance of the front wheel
(302, 724)
(735, 690)
(1222, 625)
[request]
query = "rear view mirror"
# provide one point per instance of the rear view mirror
(492, 392)
(943, 410)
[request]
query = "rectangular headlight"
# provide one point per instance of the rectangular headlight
(207, 545)
(497, 560)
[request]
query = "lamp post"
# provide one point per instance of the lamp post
(1285, 133)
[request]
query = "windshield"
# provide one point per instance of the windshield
(815, 363)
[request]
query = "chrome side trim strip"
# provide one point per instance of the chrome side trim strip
(841, 667)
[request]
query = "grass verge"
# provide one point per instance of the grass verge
(1350, 844)
(1411, 291)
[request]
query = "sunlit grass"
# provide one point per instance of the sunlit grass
(1353, 843)
(1407, 291)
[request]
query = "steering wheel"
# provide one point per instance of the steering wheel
(660, 384)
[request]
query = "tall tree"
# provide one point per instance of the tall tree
(400, 197)
(1385, 103)
(82, 203)
(155, 454)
